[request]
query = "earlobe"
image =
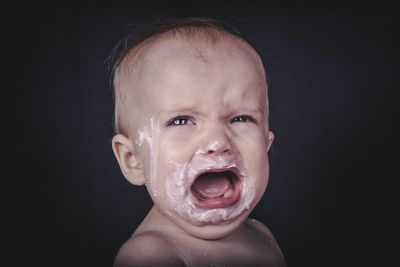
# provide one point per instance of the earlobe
(271, 137)
(128, 159)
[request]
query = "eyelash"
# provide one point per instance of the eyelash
(177, 121)
(180, 120)
(246, 118)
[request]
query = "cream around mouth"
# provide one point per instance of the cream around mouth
(216, 189)
(201, 207)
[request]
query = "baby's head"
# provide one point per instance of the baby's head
(191, 116)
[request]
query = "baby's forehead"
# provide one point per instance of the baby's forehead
(180, 60)
(167, 47)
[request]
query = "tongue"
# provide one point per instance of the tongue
(212, 185)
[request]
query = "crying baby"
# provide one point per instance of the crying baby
(191, 121)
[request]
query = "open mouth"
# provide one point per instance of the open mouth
(215, 189)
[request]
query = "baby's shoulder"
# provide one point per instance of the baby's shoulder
(263, 233)
(150, 248)
(259, 227)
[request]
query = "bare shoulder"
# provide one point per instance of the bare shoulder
(149, 248)
(260, 227)
(265, 232)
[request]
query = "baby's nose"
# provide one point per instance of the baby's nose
(216, 142)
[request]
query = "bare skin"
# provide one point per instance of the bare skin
(190, 106)
(159, 242)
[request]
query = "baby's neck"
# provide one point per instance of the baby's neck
(249, 245)
(156, 221)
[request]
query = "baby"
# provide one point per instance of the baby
(191, 116)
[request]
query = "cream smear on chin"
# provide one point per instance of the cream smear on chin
(178, 190)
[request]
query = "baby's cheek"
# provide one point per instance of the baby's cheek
(250, 134)
(257, 159)
(176, 151)
(147, 165)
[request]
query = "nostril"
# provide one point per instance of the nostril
(214, 146)
(212, 151)
(219, 148)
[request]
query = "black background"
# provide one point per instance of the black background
(332, 98)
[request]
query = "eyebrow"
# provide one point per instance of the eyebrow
(194, 111)
(180, 110)
(252, 110)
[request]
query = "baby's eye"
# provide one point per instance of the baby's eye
(243, 118)
(180, 120)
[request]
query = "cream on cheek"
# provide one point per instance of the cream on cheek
(150, 135)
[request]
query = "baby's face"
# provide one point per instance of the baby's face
(201, 132)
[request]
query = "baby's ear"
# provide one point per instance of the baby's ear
(128, 159)
(271, 137)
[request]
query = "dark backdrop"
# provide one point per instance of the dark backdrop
(332, 95)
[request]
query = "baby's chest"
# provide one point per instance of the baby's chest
(233, 255)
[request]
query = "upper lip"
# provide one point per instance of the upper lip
(233, 169)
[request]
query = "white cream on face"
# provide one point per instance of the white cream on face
(150, 135)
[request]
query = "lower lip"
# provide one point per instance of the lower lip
(220, 202)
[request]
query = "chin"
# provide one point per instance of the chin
(212, 231)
